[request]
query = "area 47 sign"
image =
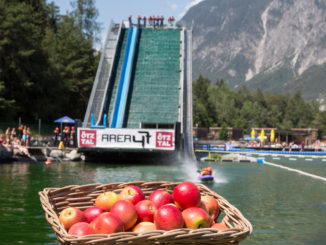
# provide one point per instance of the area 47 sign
(127, 138)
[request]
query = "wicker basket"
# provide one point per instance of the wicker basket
(54, 200)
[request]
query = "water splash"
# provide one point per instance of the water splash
(190, 168)
(219, 177)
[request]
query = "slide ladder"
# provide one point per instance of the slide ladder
(94, 112)
(125, 77)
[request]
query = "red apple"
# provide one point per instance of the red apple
(107, 223)
(132, 194)
(145, 210)
(211, 206)
(220, 226)
(173, 204)
(81, 229)
(70, 216)
(160, 197)
(195, 218)
(106, 200)
(168, 217)
(144, 226)
(92, 212)
(126, 212)
(186, 195)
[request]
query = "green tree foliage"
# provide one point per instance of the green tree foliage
(21, 58)
(201, 105)
(84, 16)
(323, 123)
(47, 61)
(6, 106)
(242, 109)
(223, 134)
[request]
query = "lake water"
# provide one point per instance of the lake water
(284, 207)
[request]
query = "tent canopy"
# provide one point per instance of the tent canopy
(64, 119)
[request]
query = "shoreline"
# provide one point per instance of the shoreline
(53, 154)
(39, 154)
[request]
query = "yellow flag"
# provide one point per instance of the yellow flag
(253, 133)
(262, 135)
(272, 135)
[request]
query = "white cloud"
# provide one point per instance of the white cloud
(173, 6)
(188, 6)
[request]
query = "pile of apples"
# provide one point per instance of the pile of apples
(131, 211)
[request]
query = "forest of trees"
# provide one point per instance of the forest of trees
(217, 105)
(47, 60)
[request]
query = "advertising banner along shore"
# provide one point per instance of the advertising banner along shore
(157, 139)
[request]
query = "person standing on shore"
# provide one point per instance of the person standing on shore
(73, 136)
(13, 134)
(24, 137)
(302, 146)
(20, 131)
(7, 135)
(66, 135)
(317, 145)
(55, 136)
(29, 136)
(1, 140)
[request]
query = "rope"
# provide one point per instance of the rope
(296, 170)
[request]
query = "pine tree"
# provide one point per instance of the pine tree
(85, 15)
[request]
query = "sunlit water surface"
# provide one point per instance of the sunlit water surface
(284, 207)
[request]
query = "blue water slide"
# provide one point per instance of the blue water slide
(122, 94)
(93, 125)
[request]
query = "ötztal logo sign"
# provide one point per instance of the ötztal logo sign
(164, 139)
(87, 137)
(126, 138)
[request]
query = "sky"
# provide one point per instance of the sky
(118, 10)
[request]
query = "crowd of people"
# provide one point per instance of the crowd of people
(21, 136)
(67, 136)
(155, 21)
(297, 146)
(17, 139)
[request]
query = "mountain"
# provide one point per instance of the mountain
(275, 45)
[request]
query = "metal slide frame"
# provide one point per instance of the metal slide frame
(104, 101)
(97, 93)
(188, 138)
